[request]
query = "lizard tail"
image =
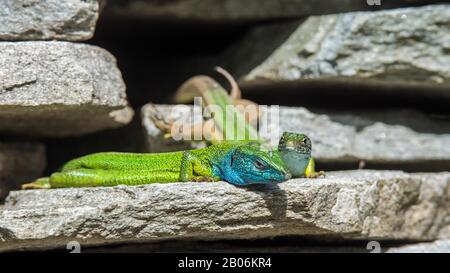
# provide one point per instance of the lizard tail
(235, 92)
(41, 183)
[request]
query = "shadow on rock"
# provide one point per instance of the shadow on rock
(274, 197)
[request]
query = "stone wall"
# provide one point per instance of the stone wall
(368, 84)
(52, 88)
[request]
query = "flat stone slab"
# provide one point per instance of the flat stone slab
(70, 20)
(439, 246)
(19, 162)
(381, 205)
(387, 49)
(334, 139)
(56, 89)
(232, 11)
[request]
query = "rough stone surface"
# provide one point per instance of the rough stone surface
(401, 47)
(415, 119)
(440, 246)
(72, 20)
(237, 10)
(382, 205)
(19, 162)
(333, 141)
(59, 89)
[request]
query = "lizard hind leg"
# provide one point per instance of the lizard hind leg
(158, 119)
(41, 183)
(166, 126)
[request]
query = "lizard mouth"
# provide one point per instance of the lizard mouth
(303, 150)
(286, 176)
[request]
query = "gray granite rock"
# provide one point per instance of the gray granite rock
(223, 11)
(405, 47)
(417, 120)
(350, 205)
(59, 89)
(72, 20)
(333, 141)
(19, 162)
(440, 246)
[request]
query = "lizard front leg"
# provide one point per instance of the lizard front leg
(194, 169)
(310, 171)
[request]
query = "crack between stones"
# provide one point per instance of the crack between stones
(17, 85)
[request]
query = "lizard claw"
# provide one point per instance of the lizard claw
(316, 175)
(203, 179)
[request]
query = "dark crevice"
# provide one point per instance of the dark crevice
(341, 94)
(293, 244)
(17, 85)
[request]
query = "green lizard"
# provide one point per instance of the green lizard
(237, 162)
(294, 148)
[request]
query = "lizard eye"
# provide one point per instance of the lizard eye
(260, 165)
(305, 141)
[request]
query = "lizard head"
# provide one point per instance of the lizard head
(295, 150)
(251, 164)
(299, 143)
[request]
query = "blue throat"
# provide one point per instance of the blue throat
(226, 172)
(296, 162)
